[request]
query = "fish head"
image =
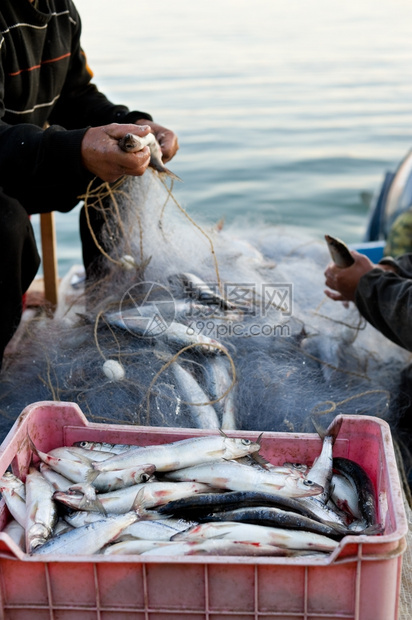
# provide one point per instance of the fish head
(73, 499)
(299, 486)
(37, 535)
(144, 473)
(301, 467)
(10, 482)
(236, 447)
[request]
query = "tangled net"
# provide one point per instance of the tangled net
(280, 353)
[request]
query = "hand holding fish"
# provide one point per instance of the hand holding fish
(166, 138)
(101, 154)
(345, 280)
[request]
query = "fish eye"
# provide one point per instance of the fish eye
(246, 442)
(308, 483)
(144, 477)
(83, 444)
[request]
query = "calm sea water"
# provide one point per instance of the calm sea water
(285, 111)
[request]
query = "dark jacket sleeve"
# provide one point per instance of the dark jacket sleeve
(384, 298)
(49, 160)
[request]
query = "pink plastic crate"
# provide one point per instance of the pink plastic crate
(359, 581)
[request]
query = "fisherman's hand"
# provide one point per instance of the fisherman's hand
(344, 280)
(165, 137)
(102, 156)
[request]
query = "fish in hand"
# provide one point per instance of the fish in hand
(339, 251)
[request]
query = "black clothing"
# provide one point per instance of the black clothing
(44, 80)
(384, 298)
(19, 262)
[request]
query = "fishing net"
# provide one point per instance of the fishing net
(281, 352)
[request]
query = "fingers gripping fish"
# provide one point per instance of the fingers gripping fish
(131, 144)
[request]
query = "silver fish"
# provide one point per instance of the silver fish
(219, 382)
(324, 512)
(234, 476)
(14, 495)
(135, 547)
(277, 517)
(130, 143)
(62, 527)
(65, 452)
(138, 498)
(41, 510)
(203, 415)
(345, 497)
(16, 533)
(339, 251)
(197, 507)
(151, 530)
(248, 532)
(176, 334)
(214, 546)
(58, 481)
(364, 488)
(322, 468)
(198, 289)
(158, 530)
(78, 469)
(183, 453)
(88, 539)
(102, 446)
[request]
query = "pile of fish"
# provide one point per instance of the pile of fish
(209, 495)
(175, 325)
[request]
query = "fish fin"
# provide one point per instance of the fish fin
(138, 505)
(259, 439)
(92, 505)
(92, 474)
(259, 459)
(172, 175)
(318, 428)
(40, 455)
(86, 460)
(331, 431)
(334, 429)
(161, 169)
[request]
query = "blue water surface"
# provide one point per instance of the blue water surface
(285, 111)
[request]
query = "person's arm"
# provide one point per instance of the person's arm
(384, 298)
(382, 293)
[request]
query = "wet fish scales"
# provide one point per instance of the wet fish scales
(130, 143)
(276, 517)
(198, 506)
(339, 252)
(363, 485)
(183, 453)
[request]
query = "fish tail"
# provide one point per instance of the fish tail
(331, 431)
(36, 451)
(92, 505)
(172, 175)
(92, 474)
(334, 429)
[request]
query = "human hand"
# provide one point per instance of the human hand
(166, 138)
(102, 156)
(344, 280)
